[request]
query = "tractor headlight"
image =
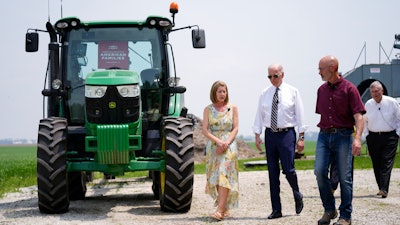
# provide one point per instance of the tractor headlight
(129, 90)
(56, 84)
(95, 91)
(164, 23)
(173, 81)
(62, 25)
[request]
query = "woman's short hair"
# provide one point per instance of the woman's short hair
(213, 91)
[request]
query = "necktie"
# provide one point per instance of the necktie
(274, 112)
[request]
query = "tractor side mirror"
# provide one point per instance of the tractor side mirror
(175, 90)
(198, 38)
(31, 42)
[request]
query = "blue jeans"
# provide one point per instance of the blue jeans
(338, 145)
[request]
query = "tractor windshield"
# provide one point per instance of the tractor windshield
(127, 48)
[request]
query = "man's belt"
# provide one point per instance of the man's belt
(285, 129)
(382, 132)
(334, 130)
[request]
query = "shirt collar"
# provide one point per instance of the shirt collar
(337, 83)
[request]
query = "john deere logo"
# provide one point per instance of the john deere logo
(112, 105)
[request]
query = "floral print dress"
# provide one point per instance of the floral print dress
(222, 169)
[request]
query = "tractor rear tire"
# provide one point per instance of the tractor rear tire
(77, 185)
(176, 193)
(89, 176)
(155, 177)
(51, 166)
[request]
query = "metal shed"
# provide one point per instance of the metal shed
(388, 74)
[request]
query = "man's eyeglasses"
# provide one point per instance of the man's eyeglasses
(275, 76)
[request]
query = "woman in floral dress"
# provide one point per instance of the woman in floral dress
(220, 126)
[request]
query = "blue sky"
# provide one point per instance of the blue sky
(243, 38)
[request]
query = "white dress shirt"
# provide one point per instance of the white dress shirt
(383, 116)
(290, 109)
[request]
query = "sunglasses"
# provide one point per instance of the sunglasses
(275, 76)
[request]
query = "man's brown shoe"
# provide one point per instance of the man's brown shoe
(326, 218)
(342, 221)
(384, 194)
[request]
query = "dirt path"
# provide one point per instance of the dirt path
(131, 202)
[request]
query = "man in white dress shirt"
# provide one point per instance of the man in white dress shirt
(280, 141)
(382, 127)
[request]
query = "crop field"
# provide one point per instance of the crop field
(17, 167)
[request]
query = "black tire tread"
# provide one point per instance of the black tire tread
(51, 166)
(179, 171)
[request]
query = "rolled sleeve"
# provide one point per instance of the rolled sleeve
(258, 121)
(300, 114)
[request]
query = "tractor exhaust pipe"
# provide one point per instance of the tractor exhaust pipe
(53, 52)
(53, 67)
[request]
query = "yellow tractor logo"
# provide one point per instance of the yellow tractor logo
(112, 105)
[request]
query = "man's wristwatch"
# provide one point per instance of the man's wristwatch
(301, 138)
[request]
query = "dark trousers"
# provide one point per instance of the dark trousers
(382, 150)
(280, 146)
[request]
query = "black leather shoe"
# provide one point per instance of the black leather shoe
(299, 204)
(275, 214)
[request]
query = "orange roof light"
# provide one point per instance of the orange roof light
(173, 7)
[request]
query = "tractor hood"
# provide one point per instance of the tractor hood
(112, 77)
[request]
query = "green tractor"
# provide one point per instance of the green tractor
(113, 104)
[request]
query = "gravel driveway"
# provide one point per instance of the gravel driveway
(131, 202)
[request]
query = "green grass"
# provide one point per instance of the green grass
(18, 168)
(360, 162)
(18, 165)
(309, 147)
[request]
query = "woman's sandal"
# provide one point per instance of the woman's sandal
(217, 215)
(227, 214)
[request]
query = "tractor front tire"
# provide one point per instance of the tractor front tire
(51, 166)
(177, 182)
